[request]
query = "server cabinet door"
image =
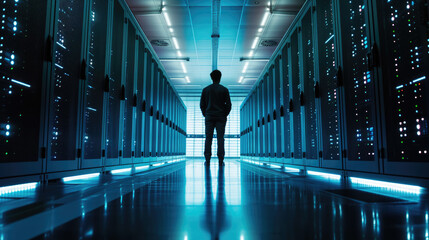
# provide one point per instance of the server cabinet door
(148, 101)
(296, 89)
(115, 88)
(359, 90)
(405, 50)
(264, 114)
(65, 86)
(310, 113)
(285, 113)
(22, 86)
(93, 117)
(278, 102)
(129, 82)
(328, 92)
(270, 107)
(161, 104)
(152, 138)
(155, 118)
(140, 108)
(260, 120)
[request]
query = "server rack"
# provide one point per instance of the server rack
(403, 43)
(277, 99)
(352, 73)
(95, 98)
(326, 70)
(23, 74)
(66, 85)
(115, 87)
(68, 96)
(308, 99)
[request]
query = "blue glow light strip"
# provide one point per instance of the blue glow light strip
(18, 188)
(325, 175)
(20, 83)
(157, 164)
(413, 189)
(289, 169)
(419, 79)
(81, 177)
(122, 170)
(142, 167)
(329, 39)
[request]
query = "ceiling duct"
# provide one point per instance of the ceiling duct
(268, 43)
(215, 32)
(160, 43)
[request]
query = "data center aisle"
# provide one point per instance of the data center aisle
(242, 201)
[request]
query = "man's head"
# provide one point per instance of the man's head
(216, 75)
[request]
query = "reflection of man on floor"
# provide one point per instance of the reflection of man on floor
(215, 105)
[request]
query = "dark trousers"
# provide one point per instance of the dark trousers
(211, 124)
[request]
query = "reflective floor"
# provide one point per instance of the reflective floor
(238, 201)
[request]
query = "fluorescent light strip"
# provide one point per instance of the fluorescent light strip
(121, 170)
(241, 79)
(245, 67)
(255, 42)
(389, 185)
(184, 68)
(171, 30)
(325, 175)
(18, 188)
(274, 166)
(251, 53)
(167, 19)
(176, 44)
(81, 177)
(179, 53)
(157, 164)
(264, 20)
(187, 79)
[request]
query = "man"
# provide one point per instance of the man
(215, 105)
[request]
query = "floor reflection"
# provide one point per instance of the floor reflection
(238, 201)
(215, 220)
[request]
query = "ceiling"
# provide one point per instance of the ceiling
(186, 26)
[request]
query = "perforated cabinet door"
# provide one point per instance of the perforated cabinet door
(66, 83)
(328, 91)
(22, 86)
(311, 130)
(405, 56)
(359, 89)
(115, 86)
(93, 136)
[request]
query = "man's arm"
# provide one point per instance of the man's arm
(203, 104)
(228, 103)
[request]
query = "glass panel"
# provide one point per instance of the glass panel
(405, 72)
(96, 77)
(358, 81)
(328, 85)
(129, 92)
(311, 131)
(296, 92)
(140, 81)
(115, 83)
(286, 116)
(68, 46)
(196, 129)
(21, 70)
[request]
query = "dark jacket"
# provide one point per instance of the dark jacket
(215, 101)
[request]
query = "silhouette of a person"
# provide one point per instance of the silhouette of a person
(215, 105)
